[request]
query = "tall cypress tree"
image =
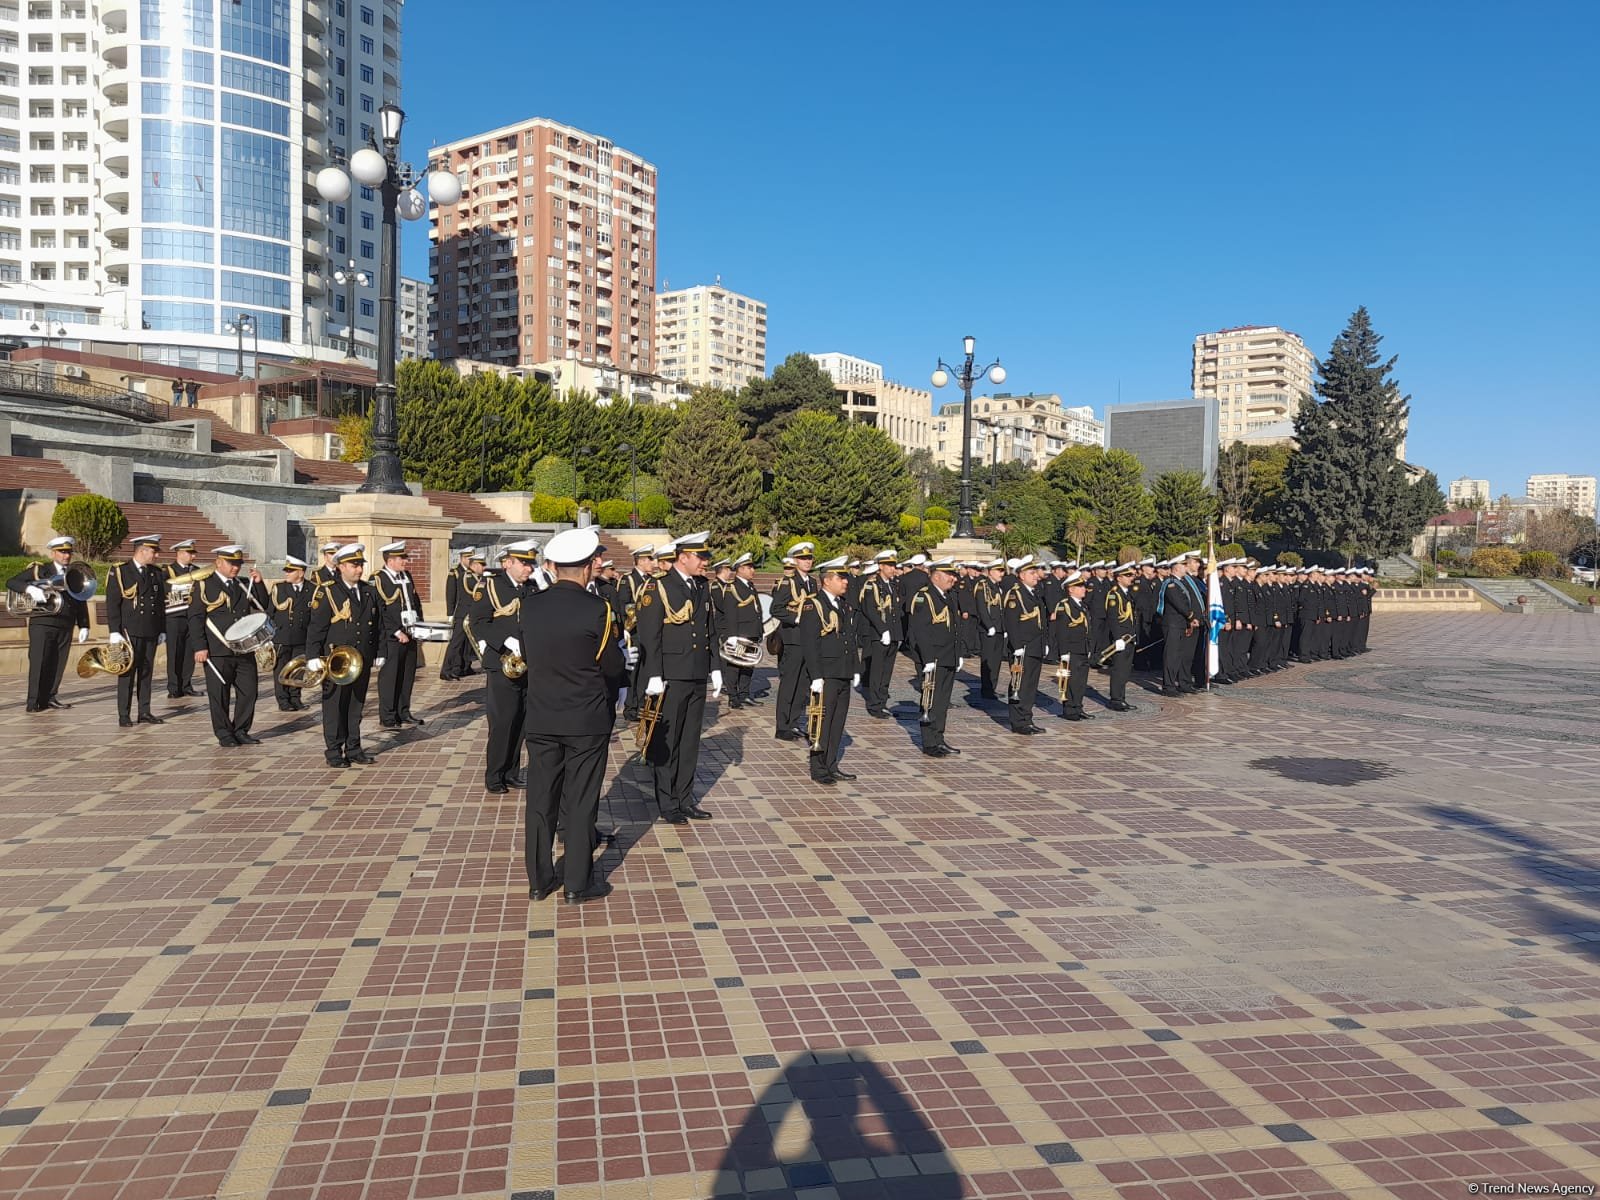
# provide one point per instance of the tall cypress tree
(1345, 488)
(708, 469)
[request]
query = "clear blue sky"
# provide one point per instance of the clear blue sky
(1086, 187)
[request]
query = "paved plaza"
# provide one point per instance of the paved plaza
(1331, 933)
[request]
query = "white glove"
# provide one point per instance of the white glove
(1121, 645)
(960, 662)
(483, 647)
(630, 656)
(655, 687)
(855, 680)
(716, 684)
(1065, 659)
(314, 664)
(83, 633)
(514, 647)
(114, 639)
(991, 631)
(929, 668)
(816, 687)
(1017, 654)
(378, 662)
(885, 638)
(161, 639)
(36, 594)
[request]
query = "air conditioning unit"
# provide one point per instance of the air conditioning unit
(73, 371)
(333, 447)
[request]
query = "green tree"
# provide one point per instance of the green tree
(1184, 506)
(354, 431)
(95, 522)
(925, 473)
(815, 478)
(1031, 514)
(1107, 487)
(768, 405)
(886, 483)
(708, 469)
(1345, 488)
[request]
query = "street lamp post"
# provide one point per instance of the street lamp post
(966, 376)
(483, 449)
(351, 278)
(242, 324)
(633, 462)
(378, 166)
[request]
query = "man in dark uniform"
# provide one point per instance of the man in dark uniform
(991, 627)
(567, 638)
(881, 614)
(629, 589)
(832, 665)
(788, 597)
(1027, 629)
(1069, 643)
(50, 634)
(937, 637)
(231, 676)
(912, 580)
(328, 570)
(291, 612)
(1175, 607)
(675, 637)
(180, 651)
(344, 613)
(460, 589)
(398, 657)
(496, 615)
(1052, 587)
(1122, 630)
(1146, 589)
(136, 598)
(739, 615)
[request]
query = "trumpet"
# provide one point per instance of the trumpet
(113, 658)
(1109, 653)
(814, 716)
(342, 666)
(649, 715)
(928, 678)
(1063, 679)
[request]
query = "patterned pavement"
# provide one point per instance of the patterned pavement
(1331, 933)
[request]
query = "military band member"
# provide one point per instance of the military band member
(290, 598)
(1028, 632)
(50, 634)
(675, 637)
(936, 635)
(1146, 590)
(913, 578)
(605, 582)
(180, 650)
(629, 588)
(1180, 621)
(1121, 625)
(991, 627)
(881, 614)
(832, 664)
(1069, 643)
(344, 613)
(397, 661)
(568, 639)
(739, 615)
(460, 589)
(328, 570)
(231, 676)
(788, 599)
(136, 602)
(496, 617)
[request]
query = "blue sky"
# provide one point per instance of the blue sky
(1085, 188)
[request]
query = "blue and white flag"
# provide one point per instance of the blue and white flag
(1217, 614)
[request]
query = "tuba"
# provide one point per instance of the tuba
(342, 666)
(75, 580)
(111, 658)
(741, 651)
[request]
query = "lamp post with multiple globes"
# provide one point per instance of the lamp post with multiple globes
(378, 166)
(966, 377)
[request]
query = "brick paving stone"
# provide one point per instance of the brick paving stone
(179, 1057)
(421, 1043)
(1025, 1005)
(1507, 1060)
(642, 1028)
(1326, 1076)
(178, 1156)
(1239, 1174)
(1437, 1166)
(286, 975)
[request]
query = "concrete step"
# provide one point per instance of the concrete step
(174, 522)
(464, 508)
(37, 474)
(1506, 591)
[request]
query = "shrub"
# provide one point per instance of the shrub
(1494, 562)
(654, 511)
(1288, 558)
(936, 512)
(1231, 550)
(95, 521)
(1539, 564)
(934, 532)
(752, 544)
(613, 514)
(910, 525)
(545, 509)
(1446, 557)
(1176, 548)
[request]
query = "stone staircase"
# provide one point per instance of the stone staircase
(174, 522)
(463, 508)
(1505, 592)
(38, 474)
(1397, 566)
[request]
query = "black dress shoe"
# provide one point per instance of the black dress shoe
(843, 776)
(949, 749)
(496, 789)
(676, 819)
(698, 814)
(34, 708)
(936, 751)
(56, 704)
(595, 891)
(824, 780)
(451, 679)
(518, 780)
(151, 719)
(125, 722)
(390, 725)
(1026, 731)
(789, 735)
(228, 743)
(881, 714)
(408, 719)
(542, 893)
(192, 692)
(1079, 716)
(246, 739)
(337, 762)
(362, 757)
(1120, 706)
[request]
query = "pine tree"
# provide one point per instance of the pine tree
(886, 483)
(1118, 502)
(767, 406)
(816, 481)
(1183, 506)
(708, 469)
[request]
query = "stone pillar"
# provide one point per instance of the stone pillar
(374, 518)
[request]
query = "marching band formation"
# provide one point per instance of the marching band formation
(657, 638)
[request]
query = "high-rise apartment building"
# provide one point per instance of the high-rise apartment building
(847, 368)
(709, 335)
(1574, 492)
(550, 253)
(1256, 373)
(1469, 491)
(1032, 429)
(904, 413)
(157, 166)
(411, 319)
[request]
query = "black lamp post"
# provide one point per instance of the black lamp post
(966, 377)
(489, 419)
(378, 166)
(242, 324)
(633, 462)
(351, 278)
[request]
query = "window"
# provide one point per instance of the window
(172, 243)
(339, 243)
(366, 15)
(338, 67)
(338, 96)
(366, 102)
(338, 126)
(253, 255)
(367, 251)
(366, 132)
(194, 283)
(366, 220)
(366, 308)
(185, 318)
(257, 114)
(263, 80)
(339, 217)
(259, 291)
(338, 36)
(366, 73)
(155, 62)
(366, 44)
(255, 184)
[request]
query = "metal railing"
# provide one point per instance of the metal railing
(56, 386)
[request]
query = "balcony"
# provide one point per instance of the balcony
(114, 84)
(315, 218)
(314, 118)
(114, 191)
(315, 249)
(114, 14)
(316, 54)
(114, 46)
(314, 284)
(116, 258)
(116, 158)
(316, 16)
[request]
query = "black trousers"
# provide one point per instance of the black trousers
(992, 654)
(1077, 684)
(341, 715)
(1121, 669)
(636, 684)
(1027, 690)
(738, 681)
(1201, 664)
(137, 677)
(1177, 652)
(791, 705)
(565, 772)
(674, 750)
(180, 656)
(944, 680)
(506, 701)
(285, 696)
(458, 651)
(231, 682)
(877, 672)
(835, 707)
(396, 678)
(49, 644)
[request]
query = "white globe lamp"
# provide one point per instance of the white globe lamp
(444, 188)
(941, 377)
(367, 167)
(997, 374)
(333, 185)
(410, 204)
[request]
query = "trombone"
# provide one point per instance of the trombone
(649, 715)
(814, 716)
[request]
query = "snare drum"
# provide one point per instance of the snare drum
(249, 634)
(430, 631)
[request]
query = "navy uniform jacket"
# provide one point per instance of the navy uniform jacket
(1121, 621)
(214, 606)
(74, 613)
(1177, 606)
(880, 610)
(343, 615)
(1069, 629)
(788, 597)
(495, 613)
(136, 601)
(739, 611)
(575, 664)
(291, 611)
(1026, 627)
(674, 628)
(827, 639)
(397, 594)
(934, 626)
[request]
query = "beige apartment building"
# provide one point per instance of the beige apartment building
(550, 253)
(1469, 491)
(710, 335)
(1032, 429)
(904, 413)
(1573, 492)
(1256, 373)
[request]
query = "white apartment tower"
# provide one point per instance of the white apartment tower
(1468, 491)
(1573, 492)
(1256, 373)
(847, 368)
(157, 162)
(710, 335)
